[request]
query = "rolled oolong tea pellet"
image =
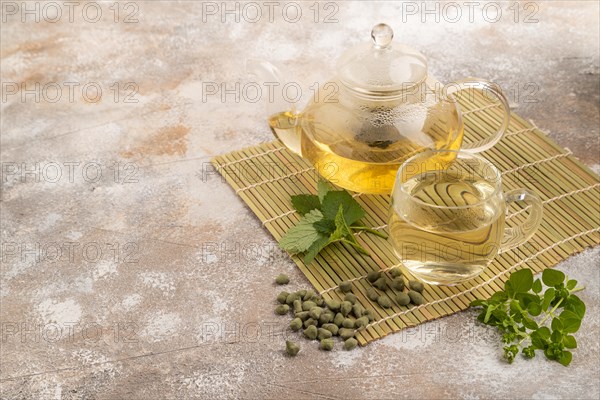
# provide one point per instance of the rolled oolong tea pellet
(361, 322)
(315, 312)
(369, 314)
(297, 305)
(346, 286)
(416, 297)
(319, 302)
(403, 299)
(358, 310)
(309, 295)
(325, 318)
(395, 272)
(372, 294)
(282, 279)
(380, 284)
(303, 315)
(333, 305)
(345, 308)
(415, 285)
(291, 298)
(350, 343)
(384, 302)
(301, 293)
(348, 323)
(310, 322)
(323, 333)
(327, 344)
(373, 276)
(346, 333)
(338, 319)
(282, 309)
(307, 305)
(397, 284)
(333, 328)
(350, 297)
(311, 332)
(296, 324)
(291, 348)
(282, 297)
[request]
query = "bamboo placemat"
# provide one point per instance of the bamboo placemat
(265, 176)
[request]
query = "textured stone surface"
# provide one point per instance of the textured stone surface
(163, 288)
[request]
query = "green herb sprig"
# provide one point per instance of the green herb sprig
(522, 313)
(329, 216)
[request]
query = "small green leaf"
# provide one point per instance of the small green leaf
(565, 358)
(571, 283)
(534, 309)
(570, 321)
(529, 323)
(521, 281)
(552, 277)
(556, 324)
(537, 286)
(332, 201)
(570, 342)
(574, 303)
(537, 340)
(544, 332)
(301, 236)
(556, 336)
(322, 189)
(304, 203)
(548, 297)
(499, 297)
(478, 302)
(508, 289)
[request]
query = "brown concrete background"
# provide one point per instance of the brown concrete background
(166, 290)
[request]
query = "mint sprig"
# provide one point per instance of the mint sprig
(530, 320)
(330, 216)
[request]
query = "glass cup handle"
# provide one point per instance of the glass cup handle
(472, 83)
(521, 233)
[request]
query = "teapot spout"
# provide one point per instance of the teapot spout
(282, 115)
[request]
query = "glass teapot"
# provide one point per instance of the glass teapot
(382, 110)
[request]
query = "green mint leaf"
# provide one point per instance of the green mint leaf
(332, 201)
(322, 189)
(301, 236)
(325, 226)
(521, 281)
(341, 229)
(315, 248)
(548, 297)
(510, 292)
(570, 342)
(571, 283)
(304, 203)
(537, 286)
(565, 358)
(570, 321)
(552, 277)
(574, 303)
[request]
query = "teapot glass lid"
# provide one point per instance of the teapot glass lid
(381, 68)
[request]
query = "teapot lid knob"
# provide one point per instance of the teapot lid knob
(382, 35)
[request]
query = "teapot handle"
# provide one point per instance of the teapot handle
(473, 83)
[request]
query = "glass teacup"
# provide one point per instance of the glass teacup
(447, 216)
